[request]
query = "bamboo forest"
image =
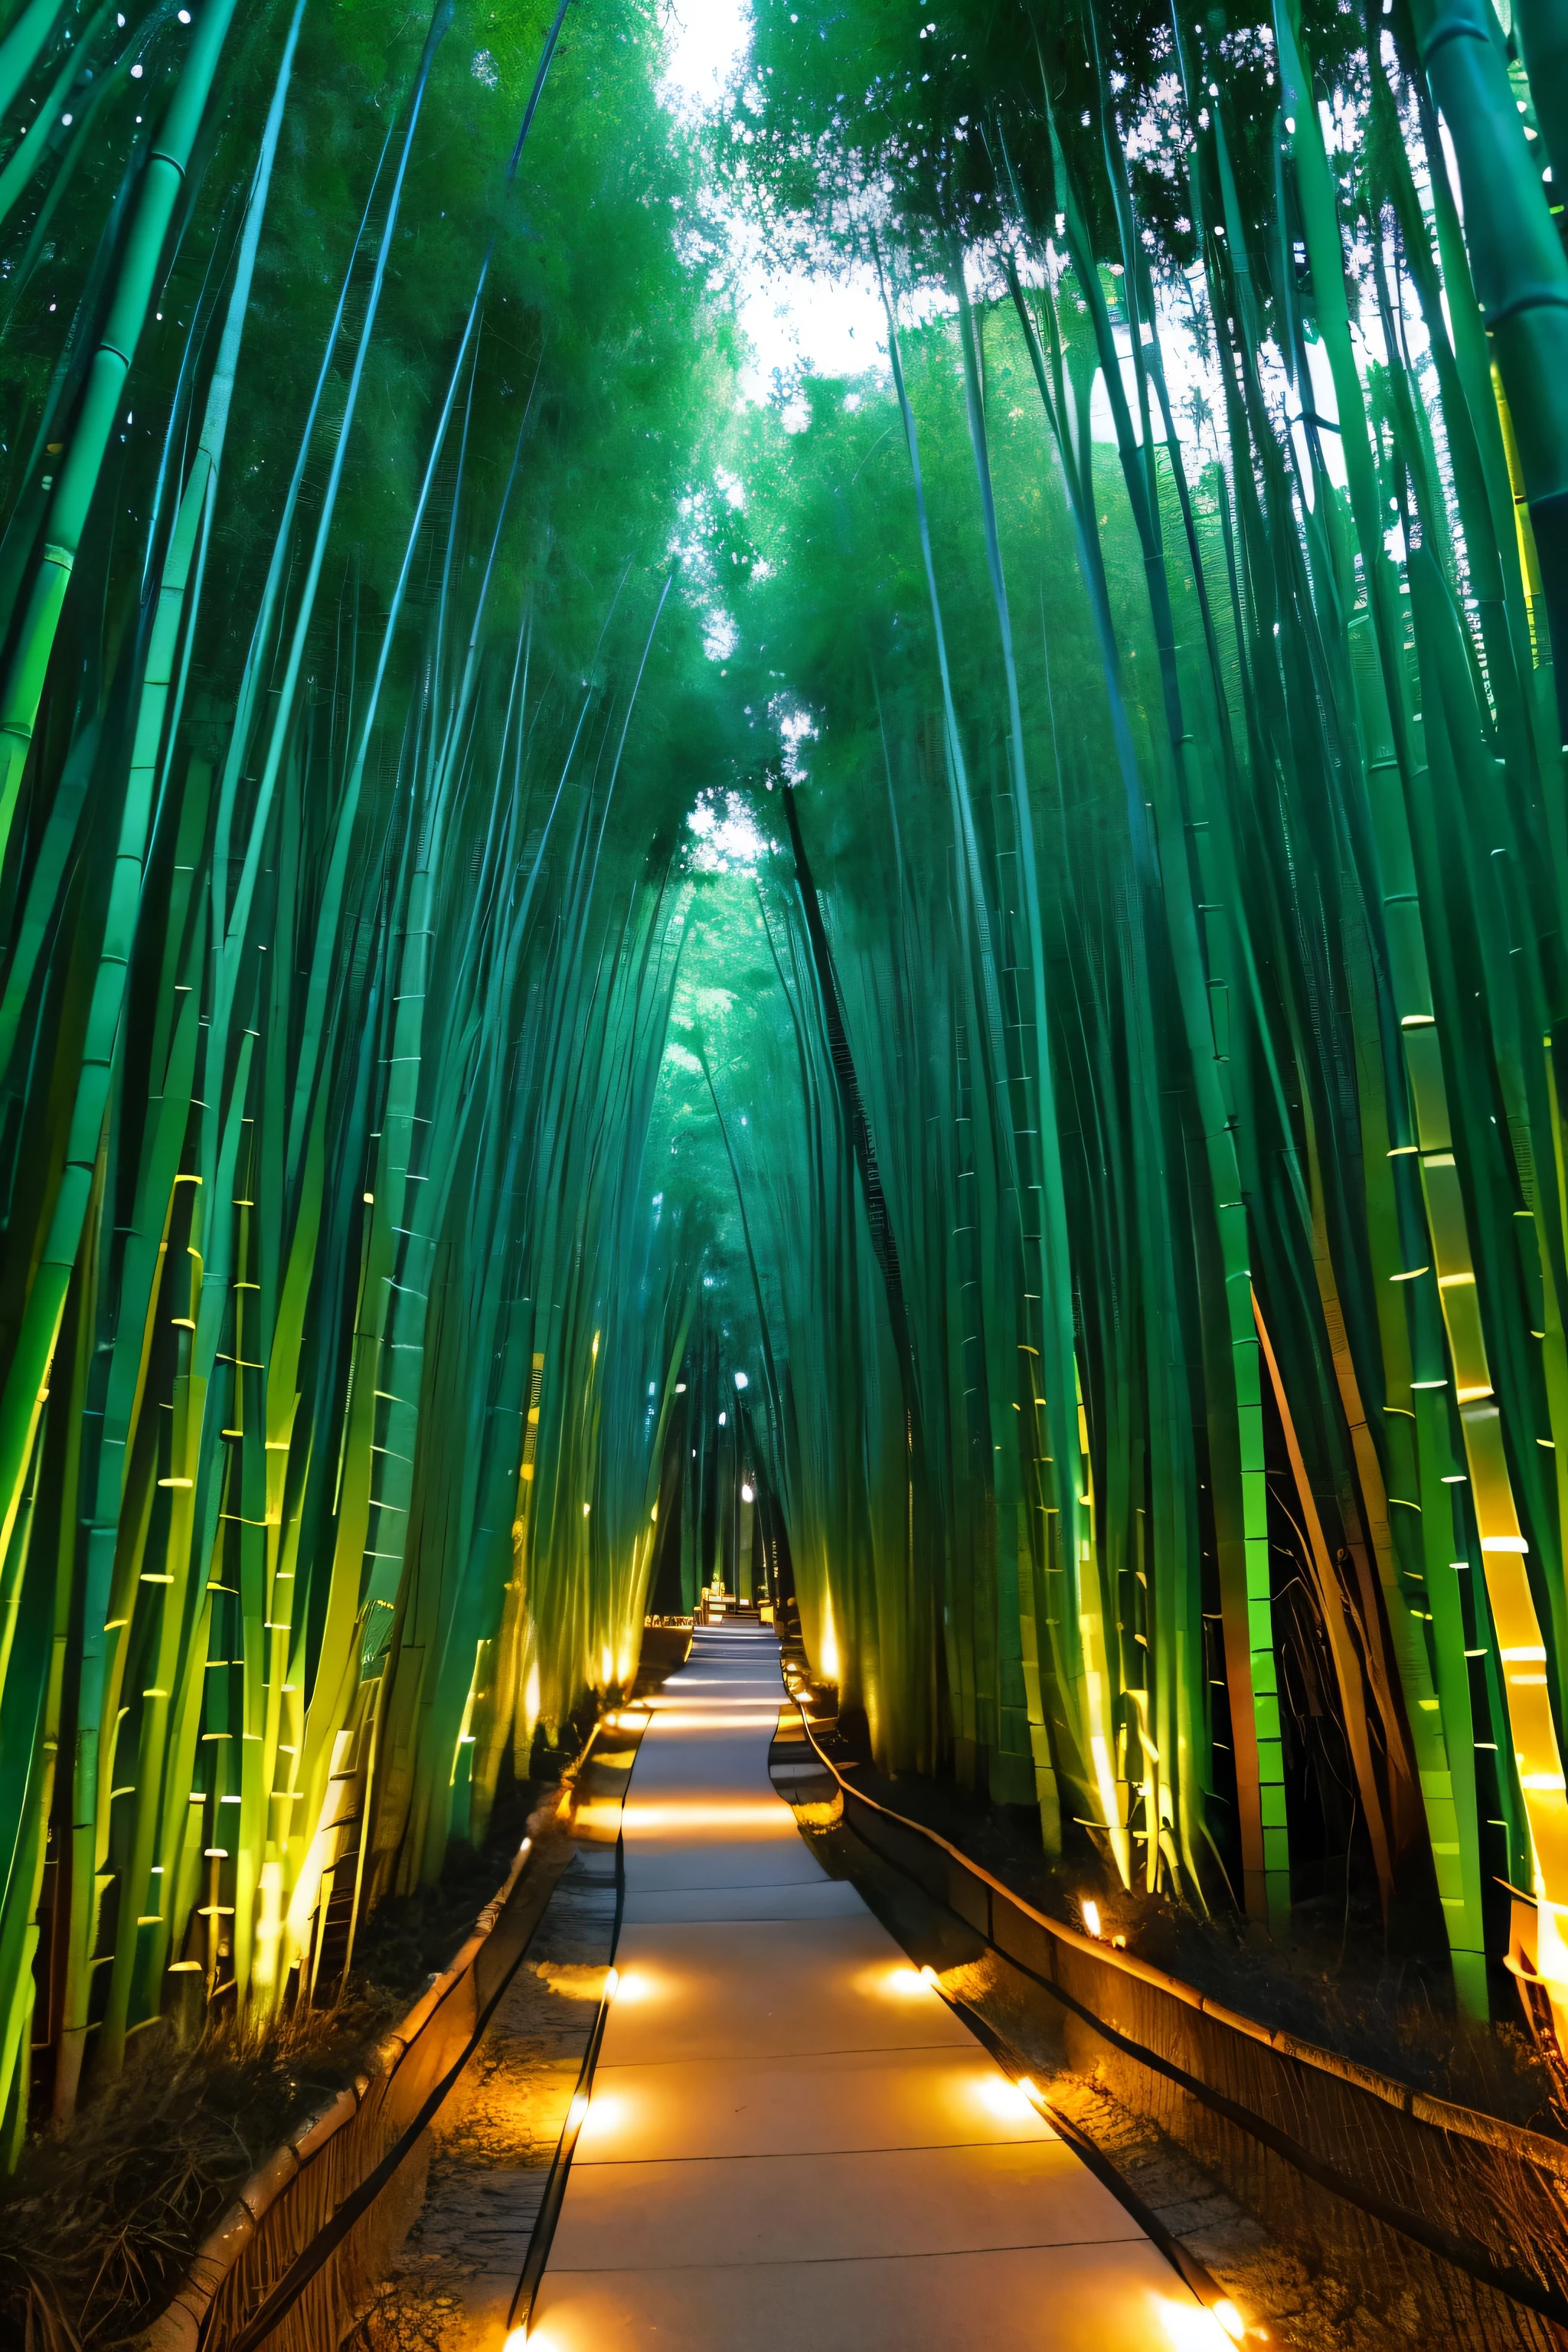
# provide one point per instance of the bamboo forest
(913, 974)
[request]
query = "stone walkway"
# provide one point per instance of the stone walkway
(791, 2139)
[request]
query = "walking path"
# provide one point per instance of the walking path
(791, 2139)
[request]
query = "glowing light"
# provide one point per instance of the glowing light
(612, 1984)
(683, 1689)
(742, 1382)
(1091, 1917)
(740, 1817)
(1230, 2319)
(1002, 2098)
(606, 1661)
(1191, 2329)
(929, 1975)
(572, 1979)
(576, 2113)
(687, 1702)
(747, 1496)
(516, 2341)
(603, 2117)
(904, 1981)
(828, 1648)
(714, 1722)
(635, 1985)
(1028, 2087)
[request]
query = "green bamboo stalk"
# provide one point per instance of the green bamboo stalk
(77, 480)
(29, 151)
(22, 46)
(1521, 276)
(171, 615)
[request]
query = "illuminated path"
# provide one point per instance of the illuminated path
(792, 2141)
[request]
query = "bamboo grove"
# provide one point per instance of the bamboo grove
(322, 947)
(970, 956)
(1193, 854)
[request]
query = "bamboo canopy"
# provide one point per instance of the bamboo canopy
(939, 990)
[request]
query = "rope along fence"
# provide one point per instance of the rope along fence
(1452, 2223)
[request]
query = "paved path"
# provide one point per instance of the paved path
(792, 2141)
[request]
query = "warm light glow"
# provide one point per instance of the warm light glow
(1028, 2087)
(726, 1722)
(603, 2117)
(1091, 1917)
(572, 1979)
(612, 1984)
(635, 1985)
(1002, 2098)
(691, 1699)
(1191, 2329)
(1230, 2319)
(828, 1648)
(516, 2341)
(592, 1821)
(904, 1981)
(576, 2113)
(744, 1814)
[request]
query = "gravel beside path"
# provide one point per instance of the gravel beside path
(450, 2287)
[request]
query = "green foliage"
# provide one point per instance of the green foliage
(1152, 786)
(977, 953)
(326, 1093)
